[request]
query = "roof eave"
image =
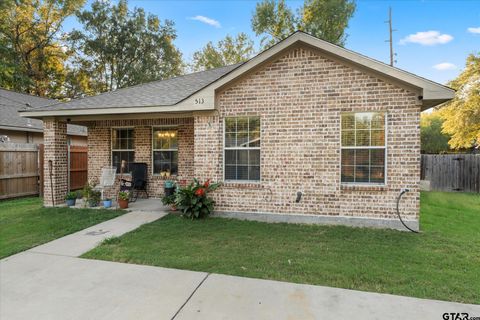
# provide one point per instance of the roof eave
(180, 107)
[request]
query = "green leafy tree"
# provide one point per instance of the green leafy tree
(274, 20)
(119, 47)
(462, 114)
(227, 51)
(325, 19)
(433, 140)
(32, 51)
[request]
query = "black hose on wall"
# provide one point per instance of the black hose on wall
(398, 211)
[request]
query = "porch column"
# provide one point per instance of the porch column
(55, 140)
(208, 147)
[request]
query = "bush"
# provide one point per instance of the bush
(193, 200)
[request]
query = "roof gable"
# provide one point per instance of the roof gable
(430, 92)
(196, 92)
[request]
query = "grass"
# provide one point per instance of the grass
(443, 262)
(24, 223)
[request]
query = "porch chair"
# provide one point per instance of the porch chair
(107, 179)
(138, 183)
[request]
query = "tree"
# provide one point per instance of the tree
(227, 51)
(325, 19)
(119, 47)
(273, 19)
(462, 114)
(432, 138)
(32, 54)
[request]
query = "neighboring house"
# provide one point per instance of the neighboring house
(306, 131)
(23, 130)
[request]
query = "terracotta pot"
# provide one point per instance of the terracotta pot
(123, 204)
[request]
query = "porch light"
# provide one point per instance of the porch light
(166, 134)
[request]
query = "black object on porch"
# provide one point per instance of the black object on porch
(138, 182)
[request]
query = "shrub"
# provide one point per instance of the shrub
(193, 200)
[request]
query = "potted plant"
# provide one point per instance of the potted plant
(123, 197)
(193, 200)
(168, 188)
(70, 198)
(169, 200)
(107, 202)
(94, 198)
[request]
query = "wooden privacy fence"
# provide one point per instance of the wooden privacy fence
(21, 172)
(452, 172)
(18, 170)
(78, 168)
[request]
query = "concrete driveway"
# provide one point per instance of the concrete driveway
(50, 282)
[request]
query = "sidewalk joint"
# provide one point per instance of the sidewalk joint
(191, 295)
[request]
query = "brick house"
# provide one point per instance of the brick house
(306, 131)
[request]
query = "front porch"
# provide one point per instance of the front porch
(164, 142)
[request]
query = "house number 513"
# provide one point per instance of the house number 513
(199, 101)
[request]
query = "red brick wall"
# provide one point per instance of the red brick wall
(55, 139)
(99, 148)
(300, 98)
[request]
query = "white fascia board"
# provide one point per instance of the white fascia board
(181, 107)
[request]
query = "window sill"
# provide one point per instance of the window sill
(363, 187)
(242, 185)
(159, 177)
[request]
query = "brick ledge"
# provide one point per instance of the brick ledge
(362, 188)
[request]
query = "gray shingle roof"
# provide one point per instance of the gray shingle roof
(11, 102)
(157, 93)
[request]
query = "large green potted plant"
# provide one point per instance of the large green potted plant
(194, 201)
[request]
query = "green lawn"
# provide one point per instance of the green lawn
(24, 223)
(443, 262)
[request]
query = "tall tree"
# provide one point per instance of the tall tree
(119, 47)
(433, 140)
(325, 19)
(227, 51)
(462, 114)
(32, 52)
(274, 20)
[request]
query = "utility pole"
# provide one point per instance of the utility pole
(390, 31)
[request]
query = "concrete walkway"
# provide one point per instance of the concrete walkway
(50, 282)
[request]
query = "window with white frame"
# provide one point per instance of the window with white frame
(123, 148)
(363, 148)
(242, 148)
(165, 151)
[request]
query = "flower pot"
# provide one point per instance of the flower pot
(123, 204)
(169, 191)
(107, 203)
(70, 202)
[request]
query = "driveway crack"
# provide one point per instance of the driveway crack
(191, 295)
